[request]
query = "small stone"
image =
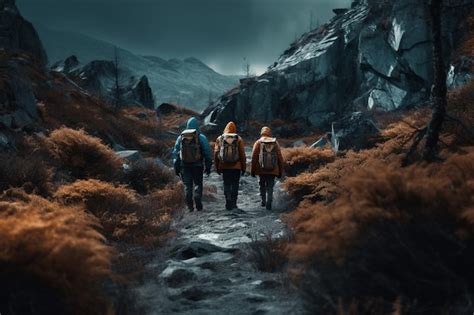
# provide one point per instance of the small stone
(179, 277)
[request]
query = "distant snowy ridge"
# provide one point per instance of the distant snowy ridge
(188, 82)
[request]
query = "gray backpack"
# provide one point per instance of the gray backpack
(268, 158)
(229, 148)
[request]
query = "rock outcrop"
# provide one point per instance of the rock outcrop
(142, 93)
(98, 77)
(22, 57)
(376, 55)
(18, 105)
(18, 34)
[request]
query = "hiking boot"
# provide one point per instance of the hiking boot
(269, 206)
(263, 203)
(228, 207)
(198, 204)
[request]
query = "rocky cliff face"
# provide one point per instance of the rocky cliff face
(375, 55)
(21, 57)
(18, 34)
(98, 77)
(17, 100)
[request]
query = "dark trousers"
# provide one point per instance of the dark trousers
(267, 182)
(231, 187)
(192, 179)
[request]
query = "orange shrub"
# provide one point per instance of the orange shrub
(150, 222)
(323, 184)
(85, 156)
(209, 193)
(392, 232)
(124, 216)
(29, 172)
(97, 196)
(461, 106)
(51, 257)
(62, 104)
(302, 159)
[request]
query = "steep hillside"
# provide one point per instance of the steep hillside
(374, 56)
(188, 82)
(73, 201)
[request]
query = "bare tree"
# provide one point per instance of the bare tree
(247, 68)
(439, 89)
(117, 89)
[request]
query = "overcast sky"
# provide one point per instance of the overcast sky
(219, 32)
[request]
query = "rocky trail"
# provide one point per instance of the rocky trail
(206, 269)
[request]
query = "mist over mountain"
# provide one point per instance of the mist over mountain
(188, 82)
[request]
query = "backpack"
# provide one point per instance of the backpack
(229, 148)
(190, 147)
(268, 154)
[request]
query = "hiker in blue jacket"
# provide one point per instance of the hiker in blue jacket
(191, 158)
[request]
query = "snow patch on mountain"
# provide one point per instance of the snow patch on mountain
(188, 82)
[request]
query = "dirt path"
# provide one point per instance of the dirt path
(207, 270)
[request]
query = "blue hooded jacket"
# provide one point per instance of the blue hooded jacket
(205, 147)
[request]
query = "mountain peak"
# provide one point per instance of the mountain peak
(193, 60)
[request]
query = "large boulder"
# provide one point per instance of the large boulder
(355, 131)
(461, 72)
(18, 34)
(377, 55)
(143, 94)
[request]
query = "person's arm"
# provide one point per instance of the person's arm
(281, 163)
(206, 152)
(176, 157)
(255, 152)
(216, 154)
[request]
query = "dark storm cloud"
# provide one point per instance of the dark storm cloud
(219, 32)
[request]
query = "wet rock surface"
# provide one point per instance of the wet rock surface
(206, 269)
(376, 55)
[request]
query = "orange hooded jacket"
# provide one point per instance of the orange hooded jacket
(239, 165)
(266, 133)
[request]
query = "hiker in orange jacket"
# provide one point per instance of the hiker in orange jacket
(267, 162)
(230, 160)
